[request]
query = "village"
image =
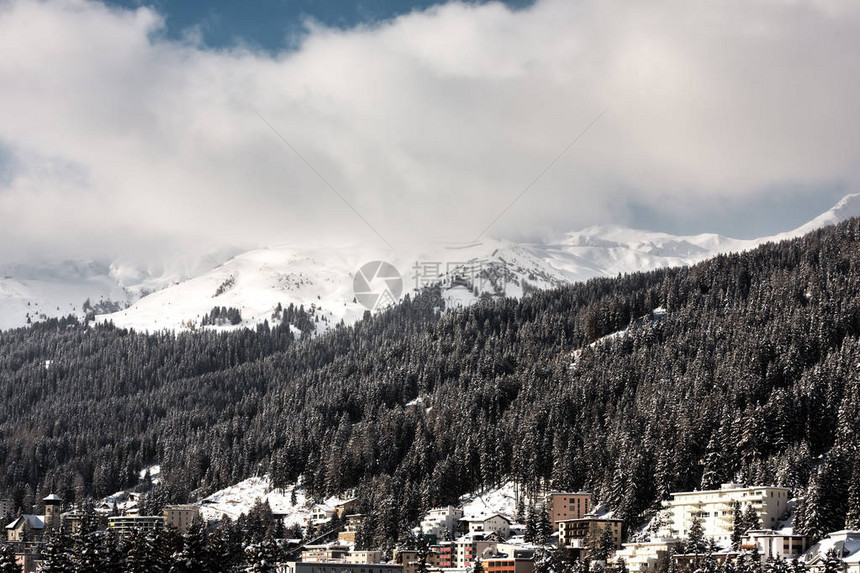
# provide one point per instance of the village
(726, 524)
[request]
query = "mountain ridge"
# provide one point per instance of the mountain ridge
(321, 280)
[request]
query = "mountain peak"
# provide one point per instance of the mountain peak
(847, 207)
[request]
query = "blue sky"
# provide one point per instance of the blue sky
(274, 25)
(145, 128)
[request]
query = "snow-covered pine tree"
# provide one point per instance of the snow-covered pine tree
(8, 561)
(737, 525)
(56, 554)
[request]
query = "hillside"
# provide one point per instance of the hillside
(749, 374)
(180, 294)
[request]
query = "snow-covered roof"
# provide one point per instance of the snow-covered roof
(35, 521)
(482, 518)
(846, 543)
(53, 497)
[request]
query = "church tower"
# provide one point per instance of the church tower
(53, 506)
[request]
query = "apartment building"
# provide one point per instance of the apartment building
(586, 532)
(409, 559)
(180, 517)
(125, 524)
(562, 505)
(508, 565)
(644, 557)
(715, 510)
(441, 522)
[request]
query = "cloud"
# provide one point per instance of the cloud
(116, 140)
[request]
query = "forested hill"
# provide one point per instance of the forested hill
(750, 374)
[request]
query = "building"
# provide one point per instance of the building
(586, 532)
(508, 565)
(484, 525)
(180, 517)
(715, 510)
(447, 555)
(26, 528)
(314, 567)
(467, 549)
(6, 507)
(350, 528)
(53, 508)
(773, 544)
(644, 557)
(321, 513)
(365, 557)
(562, 505)
(846, 545)
(345, 507)
(441, 522)
(29, 527)
(324, 552)
(125, 524)
(409, 559)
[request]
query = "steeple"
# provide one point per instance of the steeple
(53, 506)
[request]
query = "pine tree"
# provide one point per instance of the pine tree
(261, 557)
(8, 561)
(852, 516)
(141, 555)
(833, 562)
(543, 527)
(606, 544)
(696, 537)
(738, 530)
(191, 558)
(56, 556)
(531, 533)
(750, 519)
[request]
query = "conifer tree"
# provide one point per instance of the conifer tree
(8, 561)
(696, 537)
(56, 555)
(738, 529)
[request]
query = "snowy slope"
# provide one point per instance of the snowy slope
(322, 280)
(35, 292)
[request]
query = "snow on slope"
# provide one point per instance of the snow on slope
(501, 500)
(238, 499)
(256, 281)
(36, 292)
(321, 280)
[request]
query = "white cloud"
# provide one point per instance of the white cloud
(125, 142)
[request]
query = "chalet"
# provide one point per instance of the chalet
(495, 523)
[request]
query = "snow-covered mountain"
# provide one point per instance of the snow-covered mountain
(334, 284)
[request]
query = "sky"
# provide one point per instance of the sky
(143, 130)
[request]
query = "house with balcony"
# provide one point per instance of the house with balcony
(715, 510)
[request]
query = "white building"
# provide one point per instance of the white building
(358, 557)
(442, 522)
(644, 557)
(715, 510)
(495, 523)
(846, 544)
(466, 550)
(321, 513)
(774, 544)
